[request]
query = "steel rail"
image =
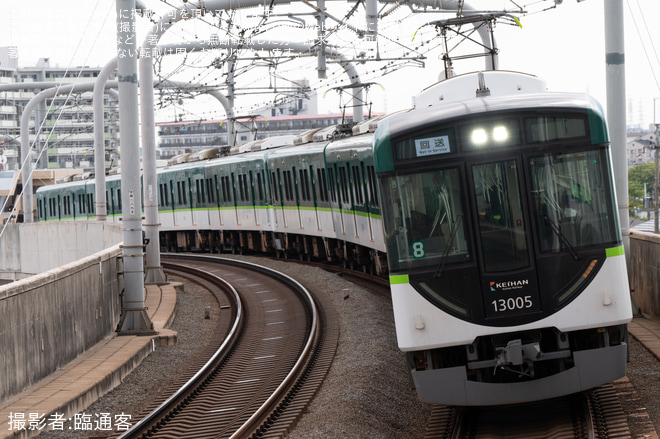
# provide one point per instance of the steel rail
(257, 418)
(137, 428)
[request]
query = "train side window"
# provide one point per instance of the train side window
(106, 202)
(209, 190)
(307, 189)
(223, 184)
(333, 186)
(183, 192)
(199, 192)
(288, 186)
(373, 192)
(343, 185)
(305, 178)
(119, 199)
(357, 186)
(323, 185)
(178, 191)
(90, 203)
(246, 187)
(249, 185)
(240, 188)
(275, 187)
(260, 186)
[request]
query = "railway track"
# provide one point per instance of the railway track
(277, 346)
(596, 414)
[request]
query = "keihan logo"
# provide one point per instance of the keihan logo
(508, 285)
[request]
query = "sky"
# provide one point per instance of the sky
(563, 45)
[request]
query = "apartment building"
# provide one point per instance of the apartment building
(61, 128)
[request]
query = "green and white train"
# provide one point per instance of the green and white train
(490, 205)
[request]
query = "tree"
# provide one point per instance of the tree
(637, 176)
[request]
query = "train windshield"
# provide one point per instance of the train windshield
(424, 219)
(573, 200)
(500, 215)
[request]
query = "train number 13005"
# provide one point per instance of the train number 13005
(512, 303)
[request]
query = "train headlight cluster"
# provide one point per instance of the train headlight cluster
(480, 136)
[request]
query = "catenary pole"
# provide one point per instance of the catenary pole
(616, 105)
(134, 319)
(99, 138)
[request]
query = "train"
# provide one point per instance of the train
(490, 206)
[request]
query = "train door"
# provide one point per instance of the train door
(508, 274)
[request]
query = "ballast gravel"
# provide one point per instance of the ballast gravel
(368, 392)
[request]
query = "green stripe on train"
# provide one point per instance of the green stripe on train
(399, 279)
(614, 251)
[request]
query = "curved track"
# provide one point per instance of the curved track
(268, 367)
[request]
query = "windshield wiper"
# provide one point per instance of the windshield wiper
(557, 231)
(452, 237)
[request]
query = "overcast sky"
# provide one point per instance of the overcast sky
(565, 46)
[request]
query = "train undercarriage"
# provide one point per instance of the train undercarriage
(282, 245)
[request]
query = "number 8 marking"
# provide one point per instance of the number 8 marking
(418, 249)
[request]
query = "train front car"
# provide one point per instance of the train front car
(507, 270)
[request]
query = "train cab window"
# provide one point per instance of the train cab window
(551, 128)
(423, 219)
(572, 200)
(500, 216)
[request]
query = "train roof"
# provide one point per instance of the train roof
(420, 117)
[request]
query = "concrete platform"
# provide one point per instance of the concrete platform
(647, 332)
(76, 386)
